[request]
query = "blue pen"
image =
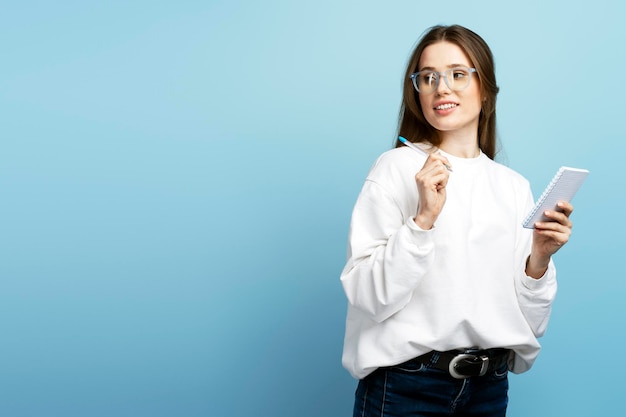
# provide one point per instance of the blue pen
(420, 150)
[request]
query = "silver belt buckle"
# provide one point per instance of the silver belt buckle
(484, 364)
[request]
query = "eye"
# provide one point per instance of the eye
(459, 73)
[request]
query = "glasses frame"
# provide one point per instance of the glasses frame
(439, 75)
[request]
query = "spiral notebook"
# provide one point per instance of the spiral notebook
(562, 188)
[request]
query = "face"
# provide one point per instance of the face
(451, 112)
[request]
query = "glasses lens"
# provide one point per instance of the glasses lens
(458, 78)
(427, 81)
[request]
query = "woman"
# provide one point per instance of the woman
(446, 290)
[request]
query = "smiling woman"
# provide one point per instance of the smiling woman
(467, 66)
(446, 291)
(444, 111)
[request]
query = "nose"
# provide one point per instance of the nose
(443, 88)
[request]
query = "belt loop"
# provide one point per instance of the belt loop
(435, 358)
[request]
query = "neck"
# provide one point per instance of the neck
(465, 146)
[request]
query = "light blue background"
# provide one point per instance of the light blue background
(176, 182)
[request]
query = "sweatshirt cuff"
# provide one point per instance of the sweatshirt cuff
(423, 239)
(534, 284)
(413, 226)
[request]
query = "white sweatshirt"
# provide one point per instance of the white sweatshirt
(461, 284)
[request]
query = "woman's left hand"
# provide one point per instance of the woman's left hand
(548, 238)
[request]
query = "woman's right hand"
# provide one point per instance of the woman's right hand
(431, 183)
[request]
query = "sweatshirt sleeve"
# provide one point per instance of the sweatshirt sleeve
(535, 296)
(388, 254)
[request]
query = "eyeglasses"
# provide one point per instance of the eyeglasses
(457, 79)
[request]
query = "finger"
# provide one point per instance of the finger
(565, 207)
(434, 172)
(553, 227)
(558, 217)
(565, 225)
(556, 237)
(440, 159)
(440, 180)
(553, 232)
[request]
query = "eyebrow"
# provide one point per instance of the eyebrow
(449, 66)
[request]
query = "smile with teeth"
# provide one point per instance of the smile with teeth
(446, 106)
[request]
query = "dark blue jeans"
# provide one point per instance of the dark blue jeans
(412, 389)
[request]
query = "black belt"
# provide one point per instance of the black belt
(463, 364)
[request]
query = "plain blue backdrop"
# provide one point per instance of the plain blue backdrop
(176, 182)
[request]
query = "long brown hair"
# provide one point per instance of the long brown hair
(412, 124)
